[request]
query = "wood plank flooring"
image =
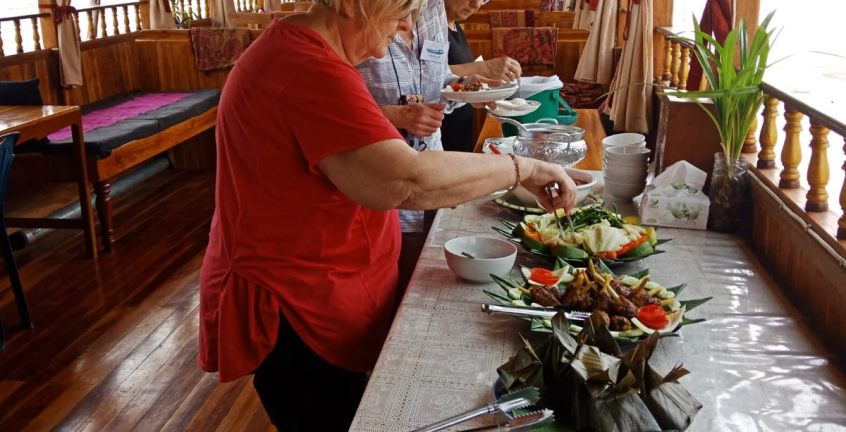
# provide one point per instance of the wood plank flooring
(115, 343)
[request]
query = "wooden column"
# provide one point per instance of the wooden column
(143, 15)
(674, 82)
(841, 224)
(48, 26)
(791, 154)
(769, 134)
(818, 169)
(684, 67)
(750, 144)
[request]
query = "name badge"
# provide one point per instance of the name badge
(434, 51)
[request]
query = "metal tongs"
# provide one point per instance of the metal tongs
(532, 312)
(504, 405)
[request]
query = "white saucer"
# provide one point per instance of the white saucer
(530, 107)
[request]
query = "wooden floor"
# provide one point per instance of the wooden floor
(115, 343)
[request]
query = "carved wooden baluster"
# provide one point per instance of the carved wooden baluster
(181, 6)
(208, 9)
(769, 133)
(18, 38)
(750, 144)
(126, 28)
(674, 82)
(115, 20)
(666, 76)
(684, 67)
(92, 26)
(2, 54)
(190, 10)
(841, 224)
(818, 169)
(791, 154)
(103, 31)
(36, 38)
(137, 18)
(75, 19)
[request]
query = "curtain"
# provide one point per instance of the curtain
(67, 33)
(220, 10)
(161, 16)
(585, 11)
(717, 20)
(630, 103)
(597, 56)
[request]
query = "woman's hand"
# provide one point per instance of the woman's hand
(537, 175)
(503, 68)
(420, 119)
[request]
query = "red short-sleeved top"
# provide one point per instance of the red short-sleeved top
(283, 237)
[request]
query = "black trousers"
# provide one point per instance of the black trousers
(302, 392)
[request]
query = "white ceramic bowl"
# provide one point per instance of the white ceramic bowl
(585, 184)
(625, 175)
(629, 151)
(624, 139)
(490, 256)
(625, 191)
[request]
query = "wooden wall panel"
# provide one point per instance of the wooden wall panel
(166, 61)
(809, 275)
(41, 64)
(109, 68)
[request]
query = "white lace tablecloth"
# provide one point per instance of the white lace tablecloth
(754, 365)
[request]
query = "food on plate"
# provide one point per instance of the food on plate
(632, 306)
(475, 86)
(513, 104)
(594, 232)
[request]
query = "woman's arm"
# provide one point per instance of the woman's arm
(389, 174)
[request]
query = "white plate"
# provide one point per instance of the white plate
(530, 107)
(480, 96)
(504, 145)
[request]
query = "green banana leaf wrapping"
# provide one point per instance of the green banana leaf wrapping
(591, 386)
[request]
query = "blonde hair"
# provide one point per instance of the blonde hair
(372, 10)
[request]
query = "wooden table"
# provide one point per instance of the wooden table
(588, 120)
(38, 122)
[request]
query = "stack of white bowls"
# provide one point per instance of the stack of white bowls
(626, 165)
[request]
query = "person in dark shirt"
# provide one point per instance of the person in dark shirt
(457, 127)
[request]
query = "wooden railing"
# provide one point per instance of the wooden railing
(782, 162)
(23, 25)
(97, 22)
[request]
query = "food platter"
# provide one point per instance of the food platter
(591, 232)
(574, 286)
(480, 96)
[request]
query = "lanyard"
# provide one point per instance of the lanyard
(406, 99)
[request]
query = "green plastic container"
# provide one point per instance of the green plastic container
(551, 106)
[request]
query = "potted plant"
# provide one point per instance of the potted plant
(735, 90)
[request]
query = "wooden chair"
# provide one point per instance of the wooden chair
(7, 153)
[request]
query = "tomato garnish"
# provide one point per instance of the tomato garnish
(456, 86)
(653, 316)
(544, 276)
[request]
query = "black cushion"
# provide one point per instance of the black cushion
(183, 109)
(101, 141)
(20, 93)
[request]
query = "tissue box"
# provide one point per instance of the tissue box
(679, 206)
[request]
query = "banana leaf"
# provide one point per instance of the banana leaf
(671, 404)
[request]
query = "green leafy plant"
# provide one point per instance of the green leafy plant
(181, 16)
(735, 89)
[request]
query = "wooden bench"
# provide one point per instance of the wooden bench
(147, 61)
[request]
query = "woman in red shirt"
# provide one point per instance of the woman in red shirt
(300, 271)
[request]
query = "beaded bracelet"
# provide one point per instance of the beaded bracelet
(516, 171)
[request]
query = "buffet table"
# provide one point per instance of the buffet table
(754, 365)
